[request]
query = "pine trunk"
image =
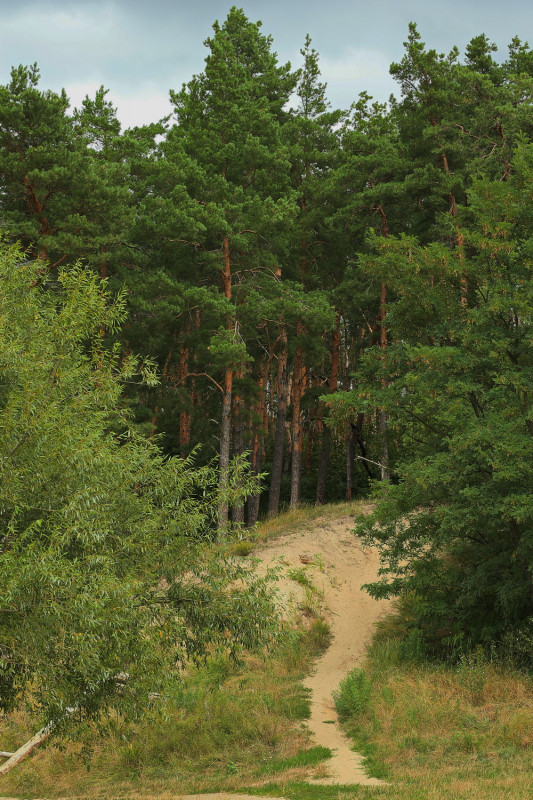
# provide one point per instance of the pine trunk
(383, 419)
(326, 436)
(225, 426)
(279, 436)
(256, 464)
(351, 442)
(296, 466)
(225, 442)
(237, 511)
(185, 416)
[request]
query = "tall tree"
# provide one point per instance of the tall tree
(63, 177)
(105, 562)
(456, 530)
(314, 147)
(228, 129)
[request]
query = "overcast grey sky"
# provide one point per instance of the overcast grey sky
(139, 49)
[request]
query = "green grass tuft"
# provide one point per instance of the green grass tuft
(306, 758)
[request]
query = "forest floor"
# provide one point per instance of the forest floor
(324, 566)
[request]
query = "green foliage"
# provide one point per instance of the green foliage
(63, 177)
(456, 530)
(353, 696)
(109, 580)
(246, 232)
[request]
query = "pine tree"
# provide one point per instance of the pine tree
(63, 176)
(456, 530)
(314, 148)
(237, 176)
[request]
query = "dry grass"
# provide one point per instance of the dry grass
(426, 733)
(306, 517)
(446, 733)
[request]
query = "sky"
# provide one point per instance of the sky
(140, 49)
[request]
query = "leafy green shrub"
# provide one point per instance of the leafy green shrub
(516, 649)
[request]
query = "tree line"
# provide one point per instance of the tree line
(340, 297)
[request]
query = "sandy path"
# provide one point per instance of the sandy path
(340, 567)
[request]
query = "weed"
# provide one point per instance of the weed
(300, 576)
(318, 636)
(472, 673)
(243, 547)
(352, 698)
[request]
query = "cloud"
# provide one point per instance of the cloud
(68, 28)
(354, 71)
(147, 103)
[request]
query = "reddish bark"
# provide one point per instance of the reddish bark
(333, 381)
(225, 426)
(297, 393)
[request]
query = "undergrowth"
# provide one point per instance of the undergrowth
(443, 732)
(222, 725)
(435, 732)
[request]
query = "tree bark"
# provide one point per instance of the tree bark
(185, 416)
(279, 435)
(383, 419)
(237, 511)
(225, 441)
(351, 441)
(326, 435)
(225, 426)
(257, 462)
(26, 749)
(296, 466)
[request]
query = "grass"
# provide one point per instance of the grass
(305, 758)
(441, 732)
(435, 732)
(305, 517)
(242, 547)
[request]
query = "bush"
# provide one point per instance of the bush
(353, 696)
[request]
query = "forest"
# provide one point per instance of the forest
(260, 302)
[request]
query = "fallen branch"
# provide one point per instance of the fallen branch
(26, 749)
(369, 461)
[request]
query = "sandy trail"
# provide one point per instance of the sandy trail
(338, 568)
